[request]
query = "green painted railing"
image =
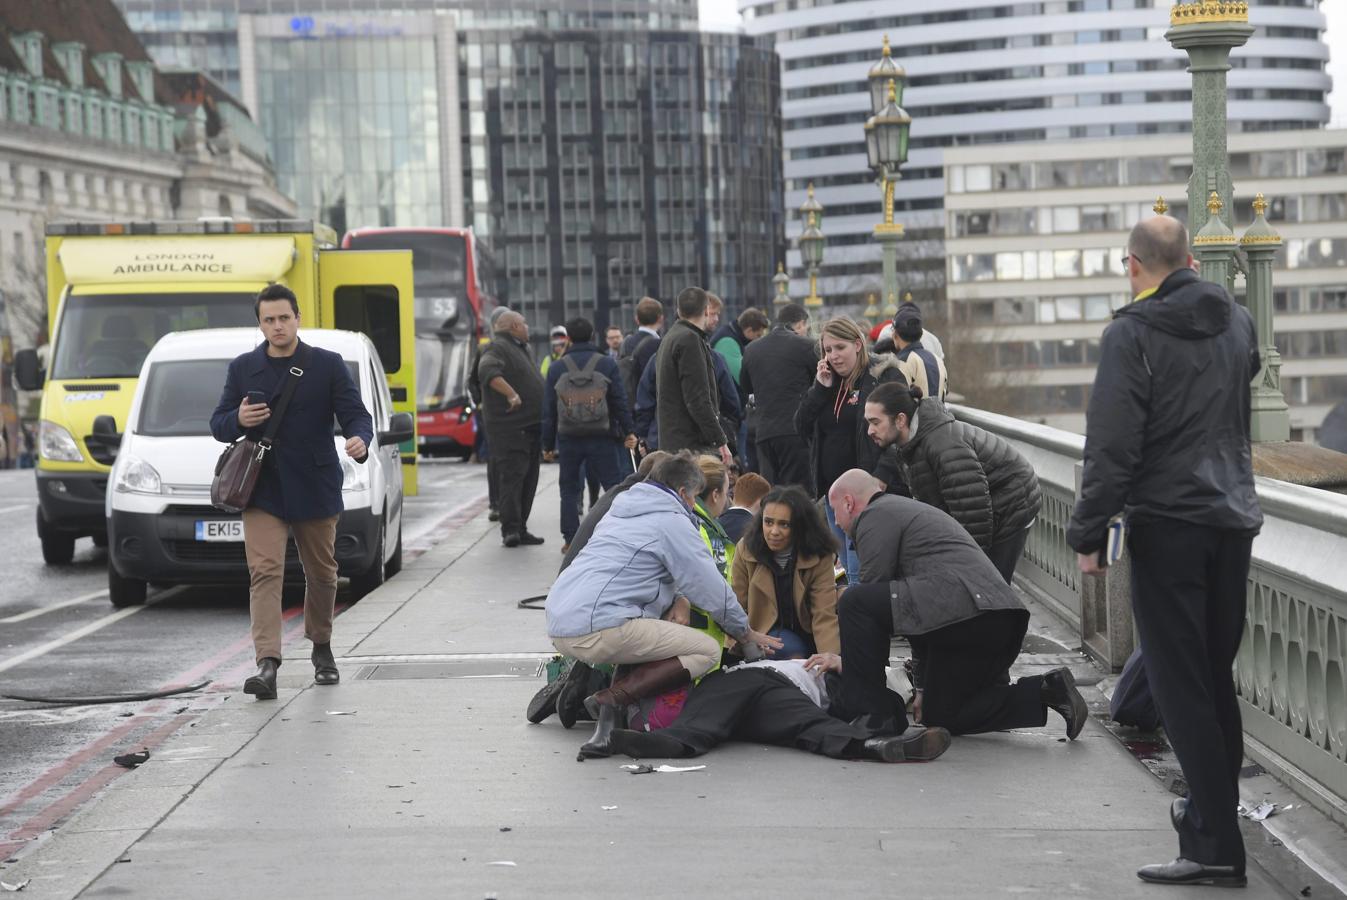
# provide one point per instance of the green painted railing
(1291, 672)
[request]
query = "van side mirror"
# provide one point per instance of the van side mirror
(400, 428)
(28, 374)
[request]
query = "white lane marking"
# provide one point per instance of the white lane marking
(96, 625)
(20, 508)
(43, 610)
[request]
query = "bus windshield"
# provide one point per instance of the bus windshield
(109, 335)
(439, 270)
(442, 362)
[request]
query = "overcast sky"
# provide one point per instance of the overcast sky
(721, 14)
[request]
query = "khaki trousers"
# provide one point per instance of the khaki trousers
(264, 543)
(644, 640)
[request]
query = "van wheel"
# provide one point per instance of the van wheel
(371, 578)
(124, 592)
(58, 548)
(394, 564)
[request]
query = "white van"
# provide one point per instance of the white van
(161, 525)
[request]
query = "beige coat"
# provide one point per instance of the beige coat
(815, 596)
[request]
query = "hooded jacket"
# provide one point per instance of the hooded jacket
(644, 552)
(1167, 429)
(883, 464)
(971, 474)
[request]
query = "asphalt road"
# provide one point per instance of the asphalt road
(59, 635)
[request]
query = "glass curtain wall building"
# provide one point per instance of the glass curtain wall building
(992, 71)
(606, 165)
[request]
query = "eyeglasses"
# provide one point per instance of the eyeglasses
(1127, 257)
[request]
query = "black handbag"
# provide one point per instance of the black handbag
(240, 464)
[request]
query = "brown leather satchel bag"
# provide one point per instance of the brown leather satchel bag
(240, 464)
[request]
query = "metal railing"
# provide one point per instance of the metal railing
(1291, 672)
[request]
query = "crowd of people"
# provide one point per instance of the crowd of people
(768, 504)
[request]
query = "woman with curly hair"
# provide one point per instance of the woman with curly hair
(783, 575)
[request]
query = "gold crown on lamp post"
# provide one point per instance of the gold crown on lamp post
(1205, 11)
(1214, 204)
(1160, 207)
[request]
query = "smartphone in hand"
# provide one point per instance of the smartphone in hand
(257, 397)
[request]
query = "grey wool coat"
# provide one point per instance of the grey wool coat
(936, 572)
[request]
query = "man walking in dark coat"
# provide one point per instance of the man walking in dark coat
(1167, 445)
(583, 446)
(923, 577)
(688, 401)
(299, 489)
(513, 407)
(777, 370)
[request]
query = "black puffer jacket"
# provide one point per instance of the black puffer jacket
(883, 464)
(1167, 429)
(971, 474)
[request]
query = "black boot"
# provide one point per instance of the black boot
(263, 684)
(1059, 693)
(324, 665)
(609, 705)
(571, 699)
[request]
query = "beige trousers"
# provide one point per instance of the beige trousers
(264, 543)
(644, 640)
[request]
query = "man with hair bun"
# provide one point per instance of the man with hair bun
(979, 479)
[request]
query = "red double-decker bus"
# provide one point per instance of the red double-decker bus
(454, 281)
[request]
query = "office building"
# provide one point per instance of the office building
(997, 71)
(1036, 233)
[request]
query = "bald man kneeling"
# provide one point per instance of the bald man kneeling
(923, 577)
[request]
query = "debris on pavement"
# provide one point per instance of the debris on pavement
(340, 712)
(607, 807)
(131, 760)
(506, 828)
(18, 886)
(1258, 813)
(643, 769)
(503, 862)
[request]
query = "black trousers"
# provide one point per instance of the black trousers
(762, 706)
(1006, 552)
(1189, 590)
(963, 666)
(518, 456)
(785, 460)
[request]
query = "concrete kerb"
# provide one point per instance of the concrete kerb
(71, 857)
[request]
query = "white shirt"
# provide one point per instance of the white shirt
(809, 682)
(648, 330)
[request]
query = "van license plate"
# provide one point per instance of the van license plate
(219, 530)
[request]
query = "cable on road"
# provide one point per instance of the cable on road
(112, 698)
(533, 602)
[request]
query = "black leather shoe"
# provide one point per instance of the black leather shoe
(530, 540)
(1185, 871)
(916, 744)
(574, 690)
(1177, 810)
(324, 665)
(511, 539)
(1059, 693)
(646, 745)
(263, 684)
(544, 703)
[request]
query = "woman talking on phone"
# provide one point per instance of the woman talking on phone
(832, 411)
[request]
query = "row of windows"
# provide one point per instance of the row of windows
(1306, 344)
(983, 45)
(1042, 310)
(1021, 355)
(1145, 170)
(1315, 299)
(1015, 10)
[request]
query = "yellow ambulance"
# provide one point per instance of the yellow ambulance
(114, 289)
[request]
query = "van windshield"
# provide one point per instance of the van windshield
(180, 396)
(109, 335)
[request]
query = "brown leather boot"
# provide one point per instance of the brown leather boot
(607, 705)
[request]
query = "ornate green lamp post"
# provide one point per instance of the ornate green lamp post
(811, 251)
(781, 281)
(886, 139)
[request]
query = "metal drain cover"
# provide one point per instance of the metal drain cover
(487, 666)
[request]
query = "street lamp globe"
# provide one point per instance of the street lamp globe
(881, 73)
(811, 243)
(782, 283)
(886, 134)
(811, 205)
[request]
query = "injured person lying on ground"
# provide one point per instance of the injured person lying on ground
(782, 702)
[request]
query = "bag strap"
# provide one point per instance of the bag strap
(592, 364)
(570, 365)
(291, 384)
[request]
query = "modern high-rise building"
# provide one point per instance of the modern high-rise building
(603, 149)
(1036, 236)
(994, 71)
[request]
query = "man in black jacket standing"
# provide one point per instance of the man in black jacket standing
(777, 371)
(513, 406)
(689, 402)
(1167, 444)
